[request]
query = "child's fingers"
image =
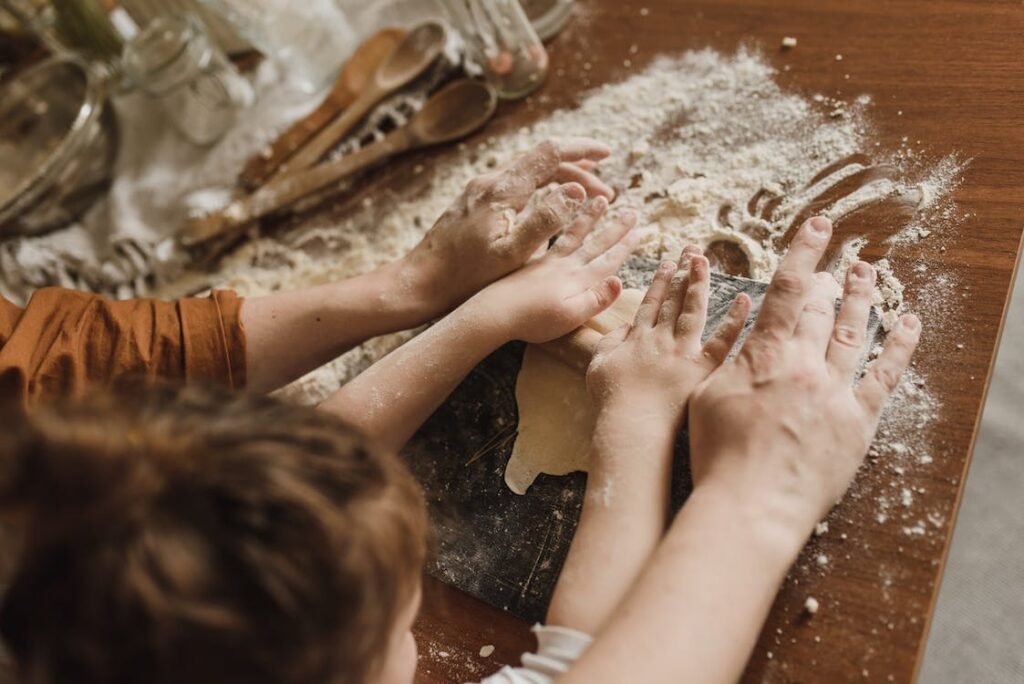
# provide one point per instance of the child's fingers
(724, 338)
(647, 314)
(550, 214)
(610, 262)
(610, 234)
(538, 166)
(694, 311)
(596, 299)
(849, 335)
(884, 376)
(669, 313)
(613, 339)
(575, 173)
(581, 227)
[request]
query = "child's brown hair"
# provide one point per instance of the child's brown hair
(185, 535)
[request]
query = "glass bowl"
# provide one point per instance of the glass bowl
(58, 144)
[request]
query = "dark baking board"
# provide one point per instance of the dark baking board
(502, 548)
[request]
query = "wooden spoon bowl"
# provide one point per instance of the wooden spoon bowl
(412, 56)
(453, 112)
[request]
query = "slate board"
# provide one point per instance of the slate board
(497, 546)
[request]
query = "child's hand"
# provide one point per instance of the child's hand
(480, 238)
(640, 378)
(564, 287)
(659, 360)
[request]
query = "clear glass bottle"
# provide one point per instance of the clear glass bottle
(173, 60)
(310, 38)
(548, 16)
(504, 42)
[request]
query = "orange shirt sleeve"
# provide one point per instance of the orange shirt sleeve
(66, 341)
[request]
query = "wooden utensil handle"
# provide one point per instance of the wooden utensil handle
(351, 82)
(262, 167)
(285, 190)
(333, 132)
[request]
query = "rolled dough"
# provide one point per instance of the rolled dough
(556, 418)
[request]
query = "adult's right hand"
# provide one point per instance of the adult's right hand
(783, 427)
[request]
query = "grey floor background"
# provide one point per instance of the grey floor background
(978, 632)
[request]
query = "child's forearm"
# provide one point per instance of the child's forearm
(395, 396)
(710, 585)
(289, 334)
(624, 513)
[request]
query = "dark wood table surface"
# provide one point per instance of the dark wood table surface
(954, 70)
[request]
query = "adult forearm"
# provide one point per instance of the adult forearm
(624, 514)
(289, 334)
(395, 396)
(709, 585)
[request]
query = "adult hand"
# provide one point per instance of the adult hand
(659, 359)
(483, 236)
(561, 289)
(783, 428)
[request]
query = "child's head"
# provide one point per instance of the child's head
(184, 536)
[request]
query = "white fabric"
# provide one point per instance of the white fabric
(557, 649)
(160, 179)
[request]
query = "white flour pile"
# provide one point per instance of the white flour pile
(692, 134)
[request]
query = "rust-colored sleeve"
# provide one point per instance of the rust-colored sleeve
(66, 341)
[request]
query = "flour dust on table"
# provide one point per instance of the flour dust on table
(708, 148)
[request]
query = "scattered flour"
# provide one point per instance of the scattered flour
(708, 149)
(888, 294)
(438, 659)
(811, 605)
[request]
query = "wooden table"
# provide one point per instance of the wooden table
(949, 73)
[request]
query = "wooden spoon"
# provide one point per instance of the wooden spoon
(408, 60)
(353, 79)
(454, 112)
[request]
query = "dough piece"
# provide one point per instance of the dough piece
(556, 418)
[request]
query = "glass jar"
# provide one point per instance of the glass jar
(548, 16)
(173, 60)
(311, 39)
(503, 41)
